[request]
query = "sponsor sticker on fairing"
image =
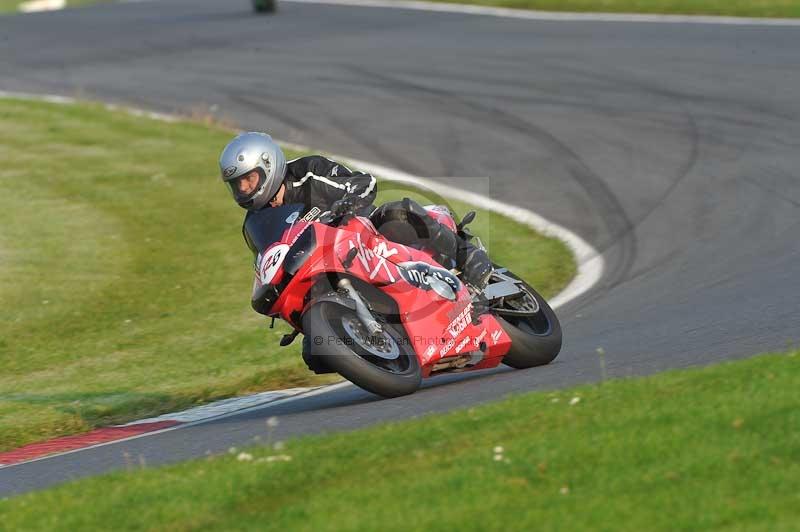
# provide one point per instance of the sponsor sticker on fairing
(479, 339)
(418, 274)
(429, 353)
(496, 336)
(447, 347)
(374, 260)
(461, 321)
(312, 214)
(462, 344)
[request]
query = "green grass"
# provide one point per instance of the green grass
(741, 8)
(124, 279)
(9, 6)
(700, 449)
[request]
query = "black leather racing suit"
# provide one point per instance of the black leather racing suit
(318, 182)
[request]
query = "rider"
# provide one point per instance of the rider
(255, 169)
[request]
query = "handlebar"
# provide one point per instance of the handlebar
(335, 220)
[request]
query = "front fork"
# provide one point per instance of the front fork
(363, 313)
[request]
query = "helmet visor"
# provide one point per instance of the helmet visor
(245, 187)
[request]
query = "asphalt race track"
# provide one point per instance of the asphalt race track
(672, 148)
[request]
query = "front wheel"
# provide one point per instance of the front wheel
(535, 339)
(384, 364)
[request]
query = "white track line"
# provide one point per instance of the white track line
(589, 262)
(226, 406)
(42, 5)
(555, 16)
(311, 393)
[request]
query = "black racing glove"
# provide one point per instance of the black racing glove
(343, 207)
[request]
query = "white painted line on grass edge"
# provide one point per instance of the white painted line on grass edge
(555, 16)
(311, 393)
(42, 5)
(226, 406)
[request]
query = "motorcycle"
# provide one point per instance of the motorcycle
(264, 6)
(384, 315)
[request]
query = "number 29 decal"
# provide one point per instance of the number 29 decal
(271, 262)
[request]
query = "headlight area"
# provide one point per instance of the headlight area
(300, 251)
(264, 297)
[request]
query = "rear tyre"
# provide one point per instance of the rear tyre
(535, 340)
(384, 364)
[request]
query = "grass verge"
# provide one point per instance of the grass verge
(699, 449)
(737, 8)
(124, 280)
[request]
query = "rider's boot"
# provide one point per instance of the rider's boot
(395, 221)
(474, 263)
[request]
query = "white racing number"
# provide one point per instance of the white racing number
(271, 262)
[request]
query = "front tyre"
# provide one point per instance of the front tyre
(535, 340)
(383, 364)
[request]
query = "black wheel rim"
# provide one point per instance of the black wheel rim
(538, 324)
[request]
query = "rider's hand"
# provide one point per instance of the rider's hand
(343, 206)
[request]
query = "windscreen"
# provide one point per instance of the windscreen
(264, 227)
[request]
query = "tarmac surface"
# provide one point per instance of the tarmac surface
(674, 149)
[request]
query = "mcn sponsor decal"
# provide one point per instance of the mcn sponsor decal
(461, 321)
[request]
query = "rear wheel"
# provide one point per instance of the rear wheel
(384, 364)
(535, 339)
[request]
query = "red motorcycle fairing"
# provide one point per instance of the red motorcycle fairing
(441, 331)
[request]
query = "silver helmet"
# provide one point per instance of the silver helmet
(246, 157)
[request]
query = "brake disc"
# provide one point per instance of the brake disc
(381, 345)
